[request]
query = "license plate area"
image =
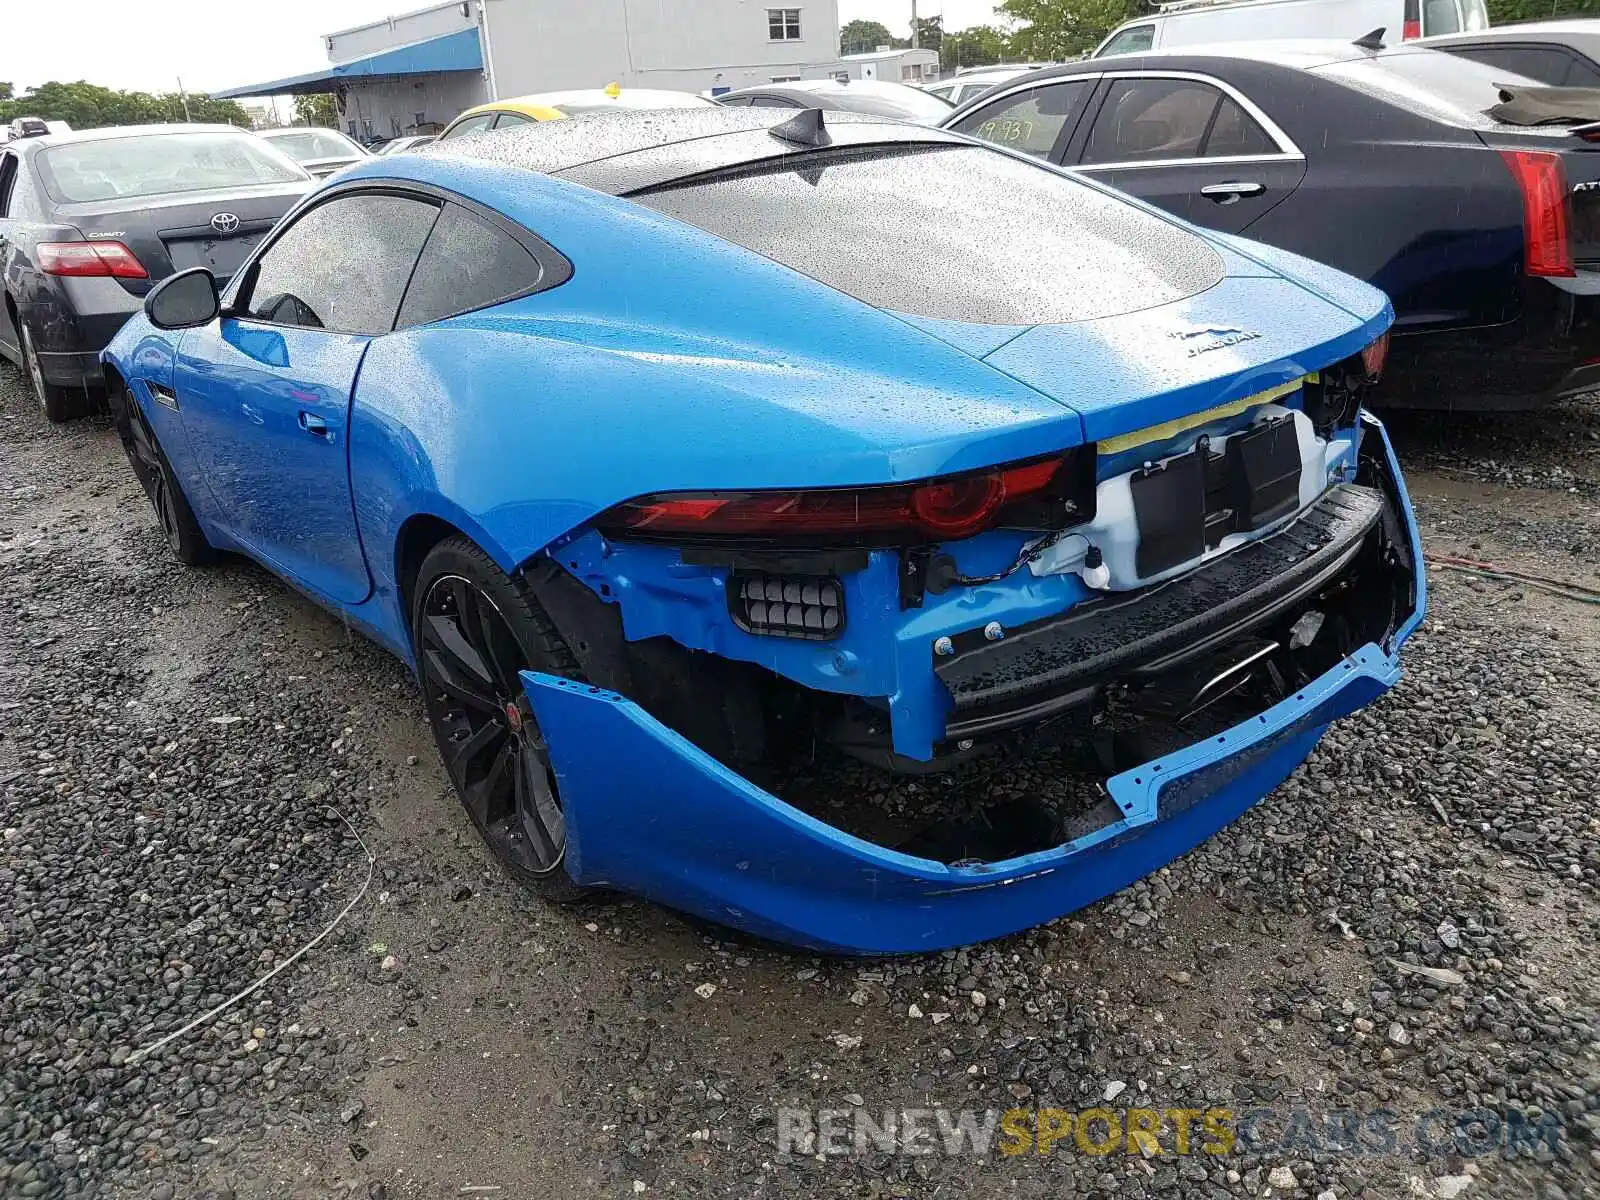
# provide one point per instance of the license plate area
(221, 256)
(1188, 504)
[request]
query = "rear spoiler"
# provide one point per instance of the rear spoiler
(1530, 106)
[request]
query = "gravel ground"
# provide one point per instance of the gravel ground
(177, 747)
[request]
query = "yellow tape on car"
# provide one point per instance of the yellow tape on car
(1172, 428)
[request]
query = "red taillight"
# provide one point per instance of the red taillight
(1543, 181)
(1374, 356)
(1410, 31)
(937, 510)
(89, 258)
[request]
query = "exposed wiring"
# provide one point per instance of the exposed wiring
(1582, 593)
(1029, 552)
(203, 1018)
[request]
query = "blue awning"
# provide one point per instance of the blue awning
(451, 52)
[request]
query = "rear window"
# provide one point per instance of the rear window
(1434, 84)
(951, 232)
(307, 145)
(160, 163)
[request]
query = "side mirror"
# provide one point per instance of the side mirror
(184, 300)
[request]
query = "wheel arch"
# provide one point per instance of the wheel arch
(419, 533)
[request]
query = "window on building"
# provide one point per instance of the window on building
(419, 120)
(786, 79)
(783, 24)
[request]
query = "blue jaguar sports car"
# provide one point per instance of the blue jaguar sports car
(717, 470)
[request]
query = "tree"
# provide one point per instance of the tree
(5, 90)
(1058, 29)
(930, 32)
(1502, 12)
(84, 105)
(975, 47)
(316, 110)
(863, 37)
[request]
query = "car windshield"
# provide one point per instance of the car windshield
(158, 163)
(308, 145)
(952, 232)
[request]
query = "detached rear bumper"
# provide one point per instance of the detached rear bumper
(650, 813)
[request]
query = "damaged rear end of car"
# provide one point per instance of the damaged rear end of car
(966, 684)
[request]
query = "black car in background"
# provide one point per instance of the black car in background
(1385, 163)
(90, 221)
(875, 97)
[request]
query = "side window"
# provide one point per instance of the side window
(1133, 40)
(734, 101)
(8, 182)
(1148, 120)
(1236, 132)
(470, 125)
(508, 120)
(343, 265)
(466, 264)
(1030, 121)
(772, 102)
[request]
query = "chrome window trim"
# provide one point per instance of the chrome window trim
(1287, 150)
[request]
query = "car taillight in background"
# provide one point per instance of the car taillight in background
(1374, 356)
(934, 510)
(1543, 180)
(90, 258)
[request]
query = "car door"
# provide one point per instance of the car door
(1190, 144)
(265, 391)
(9, 165)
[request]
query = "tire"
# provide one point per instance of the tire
(60, 404)
(182, 532)
(473, 628)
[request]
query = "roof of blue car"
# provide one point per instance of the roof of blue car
(560, 147)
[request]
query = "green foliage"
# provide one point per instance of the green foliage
(930, 32)
(1503, 12)
(975, 47)
(85, 105)
(863, 37)
(316, 110)
(5, 90)
(1057, 29)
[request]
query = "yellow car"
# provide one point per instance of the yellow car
(553, 106)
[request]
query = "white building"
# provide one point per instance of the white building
(418, 70)
(892, 66)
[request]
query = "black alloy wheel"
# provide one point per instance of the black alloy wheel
(471, 645)
(178, 525)
(147, 465)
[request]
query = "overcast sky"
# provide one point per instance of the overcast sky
(213, 44)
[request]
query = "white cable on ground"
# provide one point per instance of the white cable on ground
(146, 1051)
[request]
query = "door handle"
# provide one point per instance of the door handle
(1230, 193)
(314, 425)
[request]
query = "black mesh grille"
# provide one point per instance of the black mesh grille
(795, 606)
